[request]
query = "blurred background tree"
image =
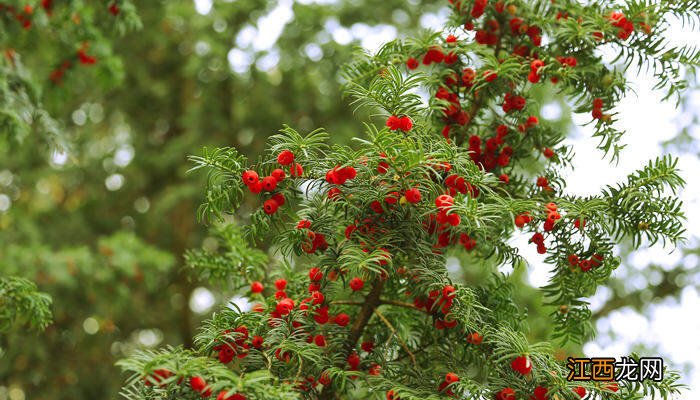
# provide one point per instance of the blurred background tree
(93, 165)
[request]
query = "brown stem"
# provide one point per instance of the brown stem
(371, 302)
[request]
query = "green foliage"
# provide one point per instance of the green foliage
(184, 364)
(231, 264)
(224, 168)
(21, 302)
(371, 231)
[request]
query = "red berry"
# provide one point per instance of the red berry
(256, 187)
(197, 383)
(354, 360)
(478, 8)
(334, 192)
(278, 174)
(585, 265)
(413, 195)
(356, 284)
(573, 260)
(114, 9)
(390, 395)
(367, 346)
(533, 77)
(391, 198)
(506, 394)
(451, 378)
(279, 198)
(296, 170)
(598, 103)
(250, 177)
(256, 287)
(320, 340)
(270, 206)
(548, 153)
(349, 231)
(382, 167)
(285, 306)
(317, 297)
(315, 274)
(324, 379)
(405, 123)
(235, 396)
(257, 341)
(412, 63)
(285, 157)
(159, 375)
(446, 131)
(342, 319)
(321, 315)
(376, 207)
(333, 177)
(393, 122)
(444, 201)
(475, 338)
(522, 364)
(540, 393)
(596, 260)
(448, 292)
(314, 287)
(454, 219)
(490, 76)
(504, 178)
(281, 284)
(269, 183)
(580, 390)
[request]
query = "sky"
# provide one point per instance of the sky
(648, 122)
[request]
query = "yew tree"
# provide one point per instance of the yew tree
(354, 301)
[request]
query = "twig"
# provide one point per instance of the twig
(394, 333)
(399, 303)
(348, 302)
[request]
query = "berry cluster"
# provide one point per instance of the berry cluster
(23, 15)
(438, 303)
(585, 264)
(56, 76)
(234, 343)
(313, 241)
(196, 383)
(494, 154)
(598, 108)
(444, 387)
(269, 183)
(403, 123)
